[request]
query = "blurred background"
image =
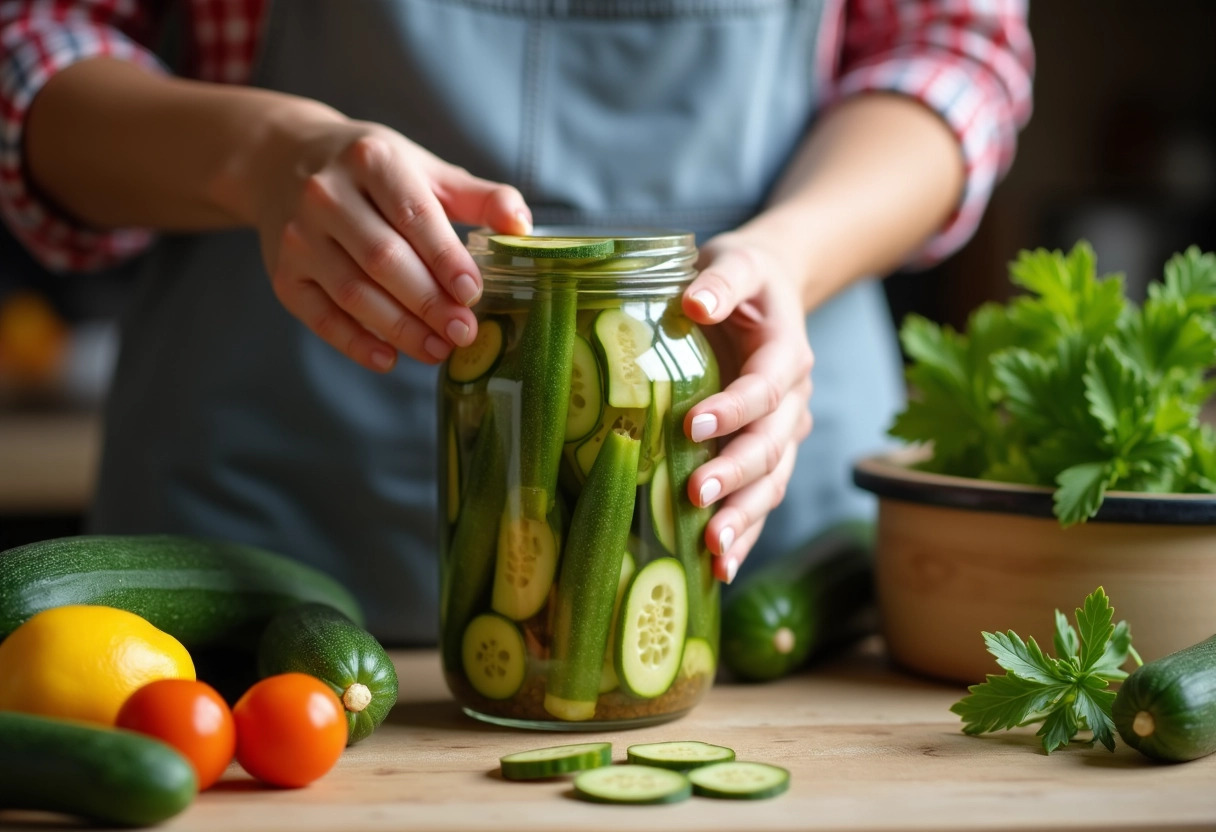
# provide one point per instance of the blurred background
(1121, 150)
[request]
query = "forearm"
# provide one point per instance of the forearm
(874, 179)
(162, 152)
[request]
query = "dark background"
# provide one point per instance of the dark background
(1121, 150)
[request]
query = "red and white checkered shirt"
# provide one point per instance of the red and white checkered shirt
(971, 61)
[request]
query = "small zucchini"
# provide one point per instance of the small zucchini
(105, 775)
(654, 619)
(322, 642)
(1167, 708)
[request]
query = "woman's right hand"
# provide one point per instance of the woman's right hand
(356, 229)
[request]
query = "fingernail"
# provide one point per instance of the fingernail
(726, 538)
(707, 300)
(525, 220)
(703, 426)
(383, 359)
(710, 489)
(458, 331)
(437, 347)
(466, 289)
(732, 568)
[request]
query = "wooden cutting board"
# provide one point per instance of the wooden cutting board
(869, 748)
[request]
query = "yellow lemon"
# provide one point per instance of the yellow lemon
(83, 662)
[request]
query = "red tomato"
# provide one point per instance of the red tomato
(188, 715)
(290, 729)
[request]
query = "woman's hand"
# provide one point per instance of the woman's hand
(763, 413)
(355, 224)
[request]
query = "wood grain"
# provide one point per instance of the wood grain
(869, 748)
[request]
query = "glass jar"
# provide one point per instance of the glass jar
(576, 588)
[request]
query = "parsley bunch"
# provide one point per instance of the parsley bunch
(1072, 385)
(1066, 694)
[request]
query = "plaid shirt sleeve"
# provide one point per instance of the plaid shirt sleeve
(970, 61)
(41, 37)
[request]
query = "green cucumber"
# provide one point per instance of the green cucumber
(678, 756)
(632, 784)
(526, 563)
(476, 360)
(563, 248)
(546, 357)
(201, 592)
(105, 775)
(622, 339)
(608, 679)
(586, 392)
(590, 571)
(322, 642)
(1166, 709)
(811, 598)
(662, 515)
(469, 565)
(654, 619)
(540, 763)
(494, 656)
(739, 781)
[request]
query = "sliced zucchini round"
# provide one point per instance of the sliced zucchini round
(698, 659)
(495, 658)
(654, 620)
(586, 392)
(739, 781)
(556, 759)
(622, 339)
(632, 784)
(662, 512)
(525, 566)
(564, 248)
(679, 756)
(469, 363)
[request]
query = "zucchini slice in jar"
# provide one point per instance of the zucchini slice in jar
(495, 658)
(453, 484)
(555, 248)
(630, 422)
(662, 511)
(622, 339)
(526, 564)
(608, 680)
(586, 393)
(654, 619)
(469, 363)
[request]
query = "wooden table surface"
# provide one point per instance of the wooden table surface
(868, 747)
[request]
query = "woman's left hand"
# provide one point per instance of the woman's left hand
(763, 413)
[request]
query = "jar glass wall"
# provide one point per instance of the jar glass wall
(576, 588)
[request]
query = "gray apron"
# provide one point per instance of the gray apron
(228, 418)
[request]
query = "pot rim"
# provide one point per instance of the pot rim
(890, 475)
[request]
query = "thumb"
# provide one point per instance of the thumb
(471, 200)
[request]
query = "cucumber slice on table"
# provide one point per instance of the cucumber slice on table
(564, 248)
(679, 756)
(554, 760)
(632, 784)
(739, 781)
(469, 363)
(586, 393)
(654, 619)
(622, 339)
(495, 658)
(525, 566)
(608, 680)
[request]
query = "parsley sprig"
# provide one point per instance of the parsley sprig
(1067, 694)
(1072, 385)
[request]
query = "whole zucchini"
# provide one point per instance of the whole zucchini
(1167, 708)
(812, 597)
(105, 775)
(322, 642)
(201, 592)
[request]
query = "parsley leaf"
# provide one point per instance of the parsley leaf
(1067, 693)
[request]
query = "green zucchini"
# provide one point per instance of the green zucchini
(526, 563)
(105, 775)
(1166, 709)
(590, 572)
(586, 392)
(539, 763)
(476, 360)
(810, 598)
(453, 475)
(608, 679)
(738, 780)
(662, 514)
(632, 784)
(563, 248)
(654, 619)
(622, 339)
(680, 755)
(494, 656)
(201, 592)
(322, 642)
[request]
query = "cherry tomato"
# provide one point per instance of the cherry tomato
(290, 729)
(188, 715)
